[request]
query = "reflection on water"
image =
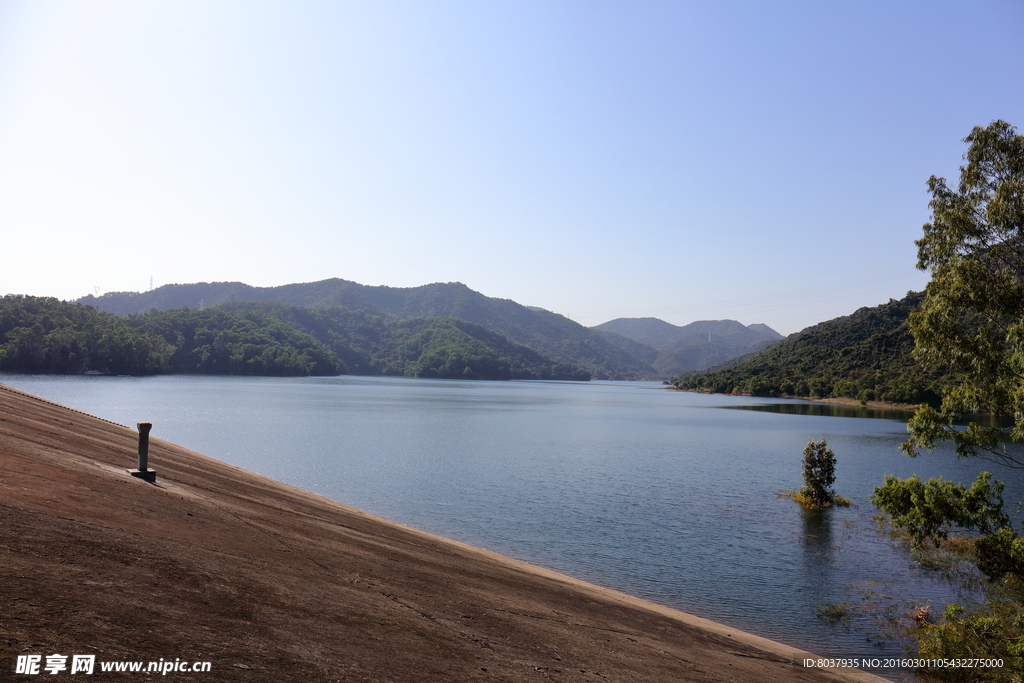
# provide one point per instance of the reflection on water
(792, 407)
(817, 537)
(827, 410)
(818, 552)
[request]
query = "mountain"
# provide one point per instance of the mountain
(48, 336)
(673, 349)
(634, 348)
(650, 331)
(866, 355)
(552, 335)
(440, 346)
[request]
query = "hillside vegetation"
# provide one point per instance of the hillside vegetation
(416, 347)
(863, 356)
(215, 341)
(48, 336)
(554, 336)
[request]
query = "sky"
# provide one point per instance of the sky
(758, 161)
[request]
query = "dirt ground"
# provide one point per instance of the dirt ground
(270, 583)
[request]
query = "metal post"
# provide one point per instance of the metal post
(144, 428)
(144, 472)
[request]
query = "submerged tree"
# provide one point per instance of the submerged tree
(819, 476)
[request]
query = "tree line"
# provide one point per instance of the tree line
(48, 336)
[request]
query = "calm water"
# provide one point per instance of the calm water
(664, 495)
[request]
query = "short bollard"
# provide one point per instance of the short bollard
(144, 472)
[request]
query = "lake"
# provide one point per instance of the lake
(665, 495)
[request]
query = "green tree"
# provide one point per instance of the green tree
(819, 475)
(971, 324)
(929, 510)
(994, 629)
(972, 316)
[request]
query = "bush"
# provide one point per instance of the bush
(931, 513)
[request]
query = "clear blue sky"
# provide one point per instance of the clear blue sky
(761, 161)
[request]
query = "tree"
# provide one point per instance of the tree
(928, 510)
(971, 323)
(819, 475)
(993, 629)
(972, 316)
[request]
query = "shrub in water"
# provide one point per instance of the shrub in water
(819, 475)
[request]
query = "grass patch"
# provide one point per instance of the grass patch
(832, 612)
(808, 504)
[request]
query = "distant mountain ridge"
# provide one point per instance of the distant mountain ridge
(675, 349)
(550, 334)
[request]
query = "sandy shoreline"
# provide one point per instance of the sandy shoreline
(270, 583)
(873, 405)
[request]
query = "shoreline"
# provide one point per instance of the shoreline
(870, 405)
(219, 563)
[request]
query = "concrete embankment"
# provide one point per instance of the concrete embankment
(269, 583)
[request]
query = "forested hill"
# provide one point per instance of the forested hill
(415, 347)
(866, 355)
(41, 335)
(553, 336)
(47, 336)
(674, 349)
